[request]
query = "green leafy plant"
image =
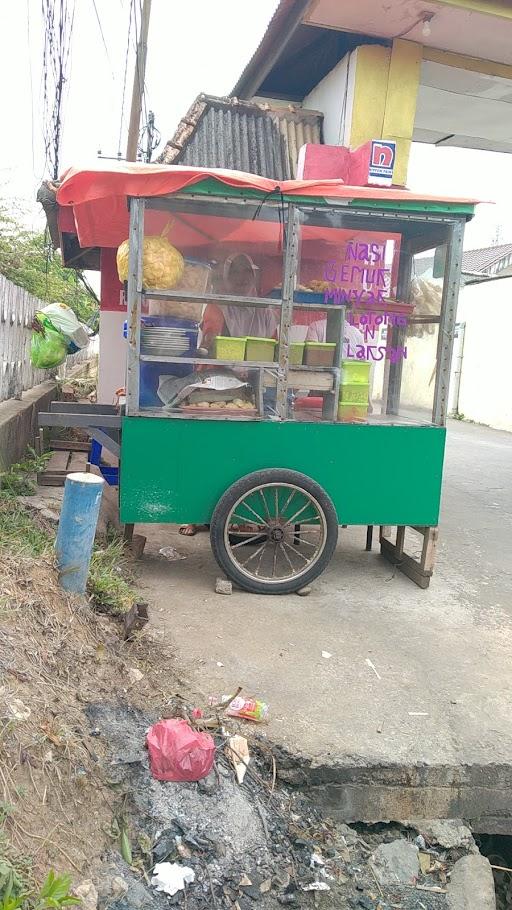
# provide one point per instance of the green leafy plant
(54, 893)
(17, 479)
(12, 893)
(27, 260)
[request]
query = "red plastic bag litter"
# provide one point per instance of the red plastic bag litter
(177, 752)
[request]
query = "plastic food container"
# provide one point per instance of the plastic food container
(229, 348)
(355, 392)
(352, 412)
(319, 354)
(355, 371)
(260, 349)
(296, 350)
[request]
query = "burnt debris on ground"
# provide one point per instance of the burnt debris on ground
(260, 844)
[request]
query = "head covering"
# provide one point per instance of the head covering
(239, 276)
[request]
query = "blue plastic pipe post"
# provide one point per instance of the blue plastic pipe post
(77, 527)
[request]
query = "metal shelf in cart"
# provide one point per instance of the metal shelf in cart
(285, 378)
(275, 487)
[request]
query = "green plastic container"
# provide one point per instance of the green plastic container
(261, 350)
(296, 351)
(352, 412)
(319, 353)
(355, 392)
(229, 348)
(355, 371)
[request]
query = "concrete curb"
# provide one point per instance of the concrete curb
(18, 421)
(480, 794)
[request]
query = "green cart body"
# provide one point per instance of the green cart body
(177, 470)
(385, 471)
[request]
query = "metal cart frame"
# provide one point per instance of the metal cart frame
(177, 467)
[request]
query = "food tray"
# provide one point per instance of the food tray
(232, 412)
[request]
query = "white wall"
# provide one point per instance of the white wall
(333, 97)
(112, 359)
(486, 379)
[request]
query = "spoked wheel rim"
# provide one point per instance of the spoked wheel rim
(283, 533)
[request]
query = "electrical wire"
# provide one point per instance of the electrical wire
(103, 39)
(121, 120)
(31, 88)
(58, 21)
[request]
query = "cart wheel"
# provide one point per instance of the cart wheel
(290, 531)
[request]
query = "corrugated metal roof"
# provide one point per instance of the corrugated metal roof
(484, 258)
(243, 136)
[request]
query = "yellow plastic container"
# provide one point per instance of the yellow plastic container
(355, 392)
(296, 350)
(229, 348)
(352, 412)
(355, 371)
(261, 350)
(319, 353)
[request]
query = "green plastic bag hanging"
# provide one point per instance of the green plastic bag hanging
(48, 346)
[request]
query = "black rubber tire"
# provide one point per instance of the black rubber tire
(244, 485)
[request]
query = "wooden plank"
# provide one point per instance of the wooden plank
(70, 445)
(58, 462)
(78, 462)
(51, 480)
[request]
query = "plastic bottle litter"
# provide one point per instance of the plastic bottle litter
(244, 707)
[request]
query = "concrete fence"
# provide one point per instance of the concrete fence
(17, 309)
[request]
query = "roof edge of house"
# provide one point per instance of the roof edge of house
(189, 123)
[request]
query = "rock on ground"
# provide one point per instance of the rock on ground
(396, 862)
(223, 586)
(87, 894)
(472, 885)
(447, 832)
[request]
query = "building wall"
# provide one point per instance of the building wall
(331, 96)
(486, 379)
(485, 393)
(112, 356)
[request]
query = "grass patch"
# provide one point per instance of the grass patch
(20, 534)
(18, 479)
(110, 582)
(18, 890)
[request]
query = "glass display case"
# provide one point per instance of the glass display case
(264, 310)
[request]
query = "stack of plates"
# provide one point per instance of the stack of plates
(164, 342)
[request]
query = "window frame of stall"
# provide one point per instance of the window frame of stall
(442, 227)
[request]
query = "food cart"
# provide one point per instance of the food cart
(276, 439)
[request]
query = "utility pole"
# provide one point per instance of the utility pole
(138, 83)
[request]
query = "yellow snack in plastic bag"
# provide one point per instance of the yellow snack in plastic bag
(162, 264)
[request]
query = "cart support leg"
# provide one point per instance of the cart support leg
(420, 570)
(369, 538)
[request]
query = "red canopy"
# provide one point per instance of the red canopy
(98, 196)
